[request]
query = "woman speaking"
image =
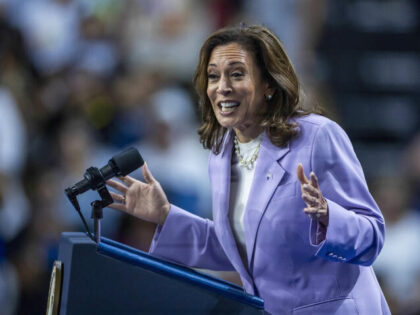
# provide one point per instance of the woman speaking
(303, 243)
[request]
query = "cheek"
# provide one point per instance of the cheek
(210, 93)
(249, 89)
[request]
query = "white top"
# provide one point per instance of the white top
(240, 186)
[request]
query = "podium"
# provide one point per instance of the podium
(112, 278)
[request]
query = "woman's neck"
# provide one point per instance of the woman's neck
(248, 134)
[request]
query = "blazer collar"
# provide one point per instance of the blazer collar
(275, 152)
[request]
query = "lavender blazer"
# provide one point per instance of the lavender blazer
(292, 264)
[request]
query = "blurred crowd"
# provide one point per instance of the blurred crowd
(80, 80)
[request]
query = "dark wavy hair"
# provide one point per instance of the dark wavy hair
(276, 69)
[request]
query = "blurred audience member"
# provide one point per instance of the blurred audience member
(12, 135)
(51, 32)
(412, 170)
(132, 92)
(298, 23)
(173, 153)
(164, 35)
(98, 53)
(9, 282)
(398, 265)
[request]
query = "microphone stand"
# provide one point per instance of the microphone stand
(98, 182)
(97, 210)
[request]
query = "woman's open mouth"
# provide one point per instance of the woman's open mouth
(228, 107)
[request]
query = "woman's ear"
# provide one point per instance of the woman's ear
(269, 92)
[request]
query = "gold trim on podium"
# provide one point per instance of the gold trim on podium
(54, 292)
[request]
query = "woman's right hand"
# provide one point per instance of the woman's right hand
(146, 201)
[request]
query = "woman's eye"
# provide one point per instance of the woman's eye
(237, 74)
(212, 76)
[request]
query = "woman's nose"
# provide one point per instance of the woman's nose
(224, 87)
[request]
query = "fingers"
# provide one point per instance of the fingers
(315, 213)
(303, 179)
(311, 201)
(312, 210)
(301, 175)
(314, 180)
(316, 206)
(117, 197)
(147, 174)
(127, 180)
(312, 213)
(117, 185)
(118, 206)
(312, 191)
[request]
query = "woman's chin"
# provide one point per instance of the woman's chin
(226, 121)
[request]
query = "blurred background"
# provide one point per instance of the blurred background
(82, 79)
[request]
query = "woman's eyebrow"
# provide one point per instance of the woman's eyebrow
(232, 63)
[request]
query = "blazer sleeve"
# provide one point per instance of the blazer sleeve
(189, 240)
(356, 229)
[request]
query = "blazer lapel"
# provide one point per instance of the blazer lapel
(267, 176)
(220, 172)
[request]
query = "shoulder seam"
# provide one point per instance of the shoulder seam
(320, 126)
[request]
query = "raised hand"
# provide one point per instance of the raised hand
(316, 205)
(146, 201)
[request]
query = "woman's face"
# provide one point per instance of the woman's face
(236, 90)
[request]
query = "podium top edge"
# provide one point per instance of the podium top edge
(136, 257)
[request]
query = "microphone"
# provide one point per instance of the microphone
(119, 165)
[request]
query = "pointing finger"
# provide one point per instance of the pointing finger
(301, 174)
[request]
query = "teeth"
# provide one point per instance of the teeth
(229, 104)
(226, 109)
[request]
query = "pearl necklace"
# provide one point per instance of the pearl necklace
(249, 164)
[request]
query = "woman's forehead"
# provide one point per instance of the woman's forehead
(228, 53)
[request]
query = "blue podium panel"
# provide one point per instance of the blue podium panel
(112, 278)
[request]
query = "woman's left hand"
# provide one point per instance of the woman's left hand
(316, 205)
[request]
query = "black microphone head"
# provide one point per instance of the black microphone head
(125, 162)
